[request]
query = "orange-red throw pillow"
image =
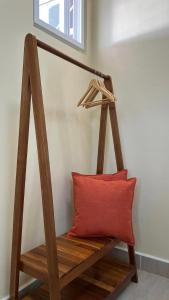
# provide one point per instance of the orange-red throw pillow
(103, 208)
(121, 175)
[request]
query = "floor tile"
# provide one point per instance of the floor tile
(150, 287)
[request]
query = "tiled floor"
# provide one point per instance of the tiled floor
(150, 287)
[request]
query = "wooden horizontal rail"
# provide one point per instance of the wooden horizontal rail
(54, 51)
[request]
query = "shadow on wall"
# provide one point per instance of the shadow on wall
(140, 70)
(133, 46)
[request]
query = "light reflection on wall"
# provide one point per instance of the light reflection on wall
(133, 18)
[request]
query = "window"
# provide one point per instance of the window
(63, 18)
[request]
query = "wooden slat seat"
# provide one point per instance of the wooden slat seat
(75, 255)
(106, 278)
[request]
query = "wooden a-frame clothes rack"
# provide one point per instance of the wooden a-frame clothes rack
(61, 261)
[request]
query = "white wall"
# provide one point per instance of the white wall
(131, 40)
(68, 129)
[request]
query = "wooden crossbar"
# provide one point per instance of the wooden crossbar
(56, 52)
(31, 86)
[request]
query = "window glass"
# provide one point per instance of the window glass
(64, 18)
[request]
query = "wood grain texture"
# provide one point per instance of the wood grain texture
(115, 129)
(105, 279)
(132, 261)
(20, 177)
(102, 131)
(74, 257)
(44, 167)
(102, 138)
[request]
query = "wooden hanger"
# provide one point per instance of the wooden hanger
(94, 88)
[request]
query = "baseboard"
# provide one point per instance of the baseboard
(23, 290)
(145, 262)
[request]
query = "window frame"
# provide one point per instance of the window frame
(58, 34)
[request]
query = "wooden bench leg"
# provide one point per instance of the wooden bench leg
(132, 260)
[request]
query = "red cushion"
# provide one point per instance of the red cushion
(103, 208)
(121, 175)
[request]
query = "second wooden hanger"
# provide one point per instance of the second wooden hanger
(94, 88)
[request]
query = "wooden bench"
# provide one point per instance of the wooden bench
(85, 270)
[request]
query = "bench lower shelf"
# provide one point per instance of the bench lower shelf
(107, 277)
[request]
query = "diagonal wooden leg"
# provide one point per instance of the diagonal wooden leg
(44, 167)
(20, 179)
(119, 162)
(102, 132)
(115, 129)
(116, 136)
(102, 137)
(132, 260)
